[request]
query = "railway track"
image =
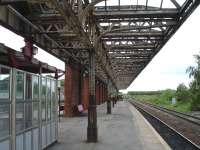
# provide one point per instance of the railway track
(181, 131)
(190, 118)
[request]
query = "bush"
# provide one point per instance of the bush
(144, 92)
(195, 105)
(182, 93)
(167, 95)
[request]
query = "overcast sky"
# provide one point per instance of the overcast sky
(168, 67)
(166, 70)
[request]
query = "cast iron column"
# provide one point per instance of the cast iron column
(109, 99)
(109, 106)
(92, 134)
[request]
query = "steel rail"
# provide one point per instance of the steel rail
(190, 118)
(135, 104)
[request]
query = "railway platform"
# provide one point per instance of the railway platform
(124, 129)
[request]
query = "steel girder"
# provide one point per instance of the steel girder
(124, 37)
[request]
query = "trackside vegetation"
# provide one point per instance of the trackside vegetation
(162, 98)
(182, 99)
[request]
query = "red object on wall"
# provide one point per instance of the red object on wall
(85, 92)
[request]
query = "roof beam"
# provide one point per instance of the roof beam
(118, 20)
(129, 55)
(73, 22)
(133, 39)
(14, 21)
(133, 34)
(126, 47)
(164, 13)
(176, 4)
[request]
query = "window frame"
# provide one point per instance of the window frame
(8, 102)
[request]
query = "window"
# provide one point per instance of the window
(28, 115)
(32, 101)
(19, 86)
(53, 90)
(19, 101)
(4, 83)
(43, 89)
(4, 120)
(43, 96)
(4, 102)
(49, 99)
(54, 102)
(28, 87)
(35, 113)
(35, 80)
(19, 117)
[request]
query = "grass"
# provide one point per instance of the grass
(182, 106)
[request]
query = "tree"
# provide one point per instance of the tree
(182, 93)
(194, 71)
(167, 94)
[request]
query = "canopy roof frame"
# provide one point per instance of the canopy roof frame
(121, 35)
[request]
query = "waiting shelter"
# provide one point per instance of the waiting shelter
(28, 101)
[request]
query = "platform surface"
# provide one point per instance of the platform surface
(124, 129)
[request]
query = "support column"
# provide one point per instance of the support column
(97, 92)
(68, 91)
(85, 91)
(92, 134)
(106, 91)
(113, 101)
(80, 77)
(40, 109)
(100, 93)
(109, 100)
(13, 110)
(109, 105)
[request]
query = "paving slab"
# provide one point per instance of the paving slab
(124, 129)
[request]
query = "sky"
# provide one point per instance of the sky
(166, 70)
(168, 67)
